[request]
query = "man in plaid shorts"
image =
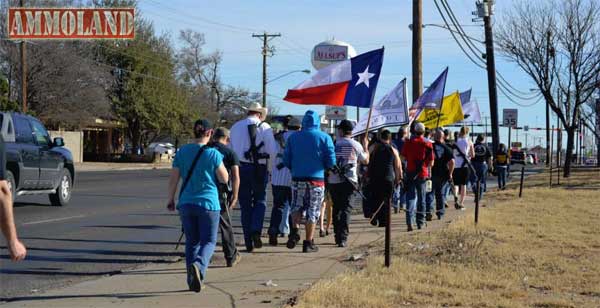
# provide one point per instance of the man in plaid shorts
(308, 154)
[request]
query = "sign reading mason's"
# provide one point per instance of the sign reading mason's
(72, 23)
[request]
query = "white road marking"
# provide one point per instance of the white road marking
(51, 220)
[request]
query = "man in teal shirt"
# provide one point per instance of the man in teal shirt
(198, 204)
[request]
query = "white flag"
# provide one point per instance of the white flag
(471, 112)
(389, 111)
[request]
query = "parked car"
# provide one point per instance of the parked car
(532, 159)
(517, 157)
(35, 164)
(161, 148)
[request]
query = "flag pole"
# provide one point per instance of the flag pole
(371, 108)
(441, 103)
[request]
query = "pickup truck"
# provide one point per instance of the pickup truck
(35, 164)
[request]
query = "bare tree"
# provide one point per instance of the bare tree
(557, 44)
(202, 74)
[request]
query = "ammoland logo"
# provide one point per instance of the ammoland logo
(71, 23)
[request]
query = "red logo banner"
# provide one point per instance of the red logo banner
(72, 23)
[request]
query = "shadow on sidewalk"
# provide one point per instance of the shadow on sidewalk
(116, 295)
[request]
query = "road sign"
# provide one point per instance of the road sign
(335, 113)
(509, 117)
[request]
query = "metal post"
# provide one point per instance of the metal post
(509, 141)
(478, 187)
(388, 233)
(521, 185)
(550, 158)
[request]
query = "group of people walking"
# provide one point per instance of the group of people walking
(304, 165)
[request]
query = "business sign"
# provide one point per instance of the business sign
(331, 51)
(510, 117)
(336, 113)
(516, 145)
(71, 23)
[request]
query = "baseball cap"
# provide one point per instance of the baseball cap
(346, 126)
(221, 132)
(419, 128)
(205, 123)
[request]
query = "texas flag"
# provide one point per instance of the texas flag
(346, 83)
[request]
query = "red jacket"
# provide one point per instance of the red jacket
(415, 150)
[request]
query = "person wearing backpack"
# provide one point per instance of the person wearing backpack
(481, 161)
(419, 158)
(501, 165)
(201, 168)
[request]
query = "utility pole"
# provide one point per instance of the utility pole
(23, 73)
(417, 50)
(485, 10)
(266, 51)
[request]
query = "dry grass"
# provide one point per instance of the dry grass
(539, 251)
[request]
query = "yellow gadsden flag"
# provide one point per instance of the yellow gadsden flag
(451, 113)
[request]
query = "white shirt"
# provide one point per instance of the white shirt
(348, 152)
(283, 176)
(463, 144)
(240, 139)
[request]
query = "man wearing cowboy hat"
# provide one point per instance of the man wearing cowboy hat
(252, 140)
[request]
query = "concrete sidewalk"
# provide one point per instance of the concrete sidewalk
(291, 271)
(98, 166)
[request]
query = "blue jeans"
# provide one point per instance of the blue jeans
(481, 170)
(501, 176)
(440, 189)
(415, 197)
(282, 196)
(429, 199)
(253, 199)
(399, 199)
(200, 227)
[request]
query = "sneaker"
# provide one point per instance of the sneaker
(321, 233)
(309, 246)
(342, 244)
(236, 259)
(419, 226)
(256, 241)
(428, 217)
(273, 239)
(458, 206)
(196, 281)
(446, 205)
(409, 228)
(396, 210)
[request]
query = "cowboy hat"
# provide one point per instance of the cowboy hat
(256, 107)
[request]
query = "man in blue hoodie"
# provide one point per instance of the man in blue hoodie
(308, 154)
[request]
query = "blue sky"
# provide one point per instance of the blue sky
(228, 26)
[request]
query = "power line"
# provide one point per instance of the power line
(473, 47)
(502, 83)
(206, 20)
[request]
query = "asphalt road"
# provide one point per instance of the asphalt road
(116, 220)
